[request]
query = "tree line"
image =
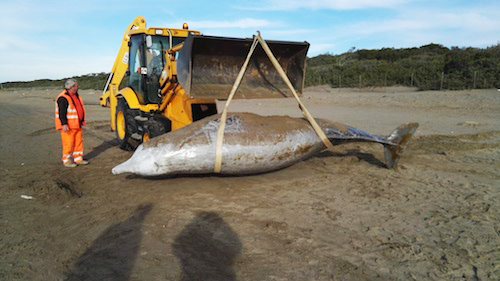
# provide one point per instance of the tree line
(430, 67)
(95, 81)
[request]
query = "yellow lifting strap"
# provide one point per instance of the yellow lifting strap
(274, 61)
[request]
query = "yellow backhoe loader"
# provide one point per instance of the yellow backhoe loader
(164, 78)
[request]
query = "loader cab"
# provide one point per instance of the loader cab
(146, 61)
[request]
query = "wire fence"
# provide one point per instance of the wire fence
(422, 81)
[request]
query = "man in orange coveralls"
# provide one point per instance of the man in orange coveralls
(70, 118)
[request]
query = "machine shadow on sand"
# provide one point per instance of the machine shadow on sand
(361, 156)
(105, 145)
(207, 249)
(113, 254)
(95, 130)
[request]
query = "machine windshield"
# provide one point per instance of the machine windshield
(146, 65)
(155, 61)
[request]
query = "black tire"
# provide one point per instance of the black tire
(154, 128)
(125, 125)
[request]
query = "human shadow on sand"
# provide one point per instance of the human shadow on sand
(113, 254)
(207, 249)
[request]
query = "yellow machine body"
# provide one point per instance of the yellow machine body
(164, 78)
(178, 109)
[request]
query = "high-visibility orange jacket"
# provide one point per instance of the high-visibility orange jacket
(71, 115)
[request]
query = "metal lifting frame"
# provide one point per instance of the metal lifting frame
(222, 124)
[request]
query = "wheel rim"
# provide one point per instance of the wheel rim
(145, 138)
(120, 125)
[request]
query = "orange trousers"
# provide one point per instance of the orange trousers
(72, 145)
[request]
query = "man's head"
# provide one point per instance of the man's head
(71, 86)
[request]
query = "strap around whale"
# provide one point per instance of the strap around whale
(222, 123)
(274, 61)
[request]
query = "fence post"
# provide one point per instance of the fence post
(385, 82)
(442, 81)
(474, 81)
(411, 81)
(360, 82)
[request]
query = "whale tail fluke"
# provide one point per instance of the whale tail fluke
(399, 139)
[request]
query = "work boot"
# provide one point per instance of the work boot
(69, 165)
(83, 162)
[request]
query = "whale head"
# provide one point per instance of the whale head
(143, 162)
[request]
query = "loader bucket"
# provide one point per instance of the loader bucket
(207, 67)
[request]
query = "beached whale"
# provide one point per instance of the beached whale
(252, 144)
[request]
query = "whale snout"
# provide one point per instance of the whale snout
(120, 169)
(143, 162)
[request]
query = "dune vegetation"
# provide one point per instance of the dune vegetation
(429, 67)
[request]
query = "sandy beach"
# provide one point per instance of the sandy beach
(337, 216)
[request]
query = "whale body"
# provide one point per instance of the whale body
(252, 144)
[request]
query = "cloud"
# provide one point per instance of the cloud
(476, 26)
(288, 32)
(241, 23)
(463, 27)
(51, 66)
(290, 5)
(55, 39)
(477, 21)
(320, 48)
(13, 42)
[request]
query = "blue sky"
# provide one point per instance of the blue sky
(54, 39)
